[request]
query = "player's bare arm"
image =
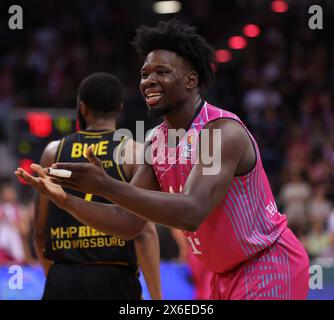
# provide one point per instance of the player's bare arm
(148, 254)
(184, 211)
(147, 242)
(41, 208)
(109, 219)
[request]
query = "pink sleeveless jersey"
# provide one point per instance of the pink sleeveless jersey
(244, 223)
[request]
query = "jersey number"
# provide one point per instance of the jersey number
(194, 243)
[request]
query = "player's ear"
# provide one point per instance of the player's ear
(192, 80)
(83, 109)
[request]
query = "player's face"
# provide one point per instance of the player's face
(163, 81)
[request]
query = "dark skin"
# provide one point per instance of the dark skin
(41, 209)
(47, 159)
(146, 243)
(165, 72)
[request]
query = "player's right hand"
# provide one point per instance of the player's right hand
(43, 184)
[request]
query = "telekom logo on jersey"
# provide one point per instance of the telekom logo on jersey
(271, 209)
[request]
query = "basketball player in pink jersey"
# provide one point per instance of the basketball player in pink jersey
(227, 211)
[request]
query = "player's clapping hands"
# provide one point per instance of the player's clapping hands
(85, 177)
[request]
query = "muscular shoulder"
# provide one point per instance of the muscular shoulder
(49, 154)
(52, 147)
(235, 143)
(233, 134)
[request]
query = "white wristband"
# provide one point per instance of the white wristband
(59, 173)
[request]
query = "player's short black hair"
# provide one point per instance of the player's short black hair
(182, 39)
(101, 92)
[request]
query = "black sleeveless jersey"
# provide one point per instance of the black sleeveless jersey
(68, 240)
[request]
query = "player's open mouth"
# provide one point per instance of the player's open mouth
(153, 98)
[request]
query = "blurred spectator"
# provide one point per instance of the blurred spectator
(257, 99)
(293, 198)
(329, 251)
(298, 150)
(320, 169)
(7, 160)
(319, 207)
(317, 240)
(328, 149)
(270, 137)
(330, 223)
(27, 232)
(11, 244)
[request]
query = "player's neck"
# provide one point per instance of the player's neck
(184, 115)
(102, 124)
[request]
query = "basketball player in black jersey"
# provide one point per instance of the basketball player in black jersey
(79, 262)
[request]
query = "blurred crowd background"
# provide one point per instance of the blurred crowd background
(281, 85)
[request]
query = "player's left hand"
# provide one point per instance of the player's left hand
(43, 185)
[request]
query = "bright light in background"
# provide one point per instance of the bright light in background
(251, 30)
(223, 55)
(40, 124)
(237, 42)
(279, 6)
(25, 164)
(165, 7)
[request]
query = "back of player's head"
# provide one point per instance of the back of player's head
(101, 92)
(182, 39)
